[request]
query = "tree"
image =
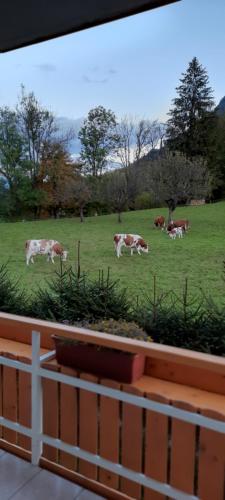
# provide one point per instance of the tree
(56, 175)
(98, 140)
(37, 126)
(216, 157)
(11, 147)
(126, 138)
(176, 179)
(80, 192)
(149, 134)
(190, 117)
(115, 191)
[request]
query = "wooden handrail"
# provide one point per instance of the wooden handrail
(21, 324)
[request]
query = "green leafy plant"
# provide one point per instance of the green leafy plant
(127, 329)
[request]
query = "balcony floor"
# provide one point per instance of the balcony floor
(20, 480)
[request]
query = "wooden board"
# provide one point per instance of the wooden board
(132, 443)
(109, 429)
(88, 426)
(211, 476)
(156, 447)
(68, 419)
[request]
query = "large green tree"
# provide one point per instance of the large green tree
(11, 147)
(190, 117)
(37, 126)
(216, 157)
(98, 139)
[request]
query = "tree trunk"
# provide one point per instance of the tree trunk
(119, 217)
(81, 214)
(170, 216)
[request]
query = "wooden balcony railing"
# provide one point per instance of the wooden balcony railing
(163, 436)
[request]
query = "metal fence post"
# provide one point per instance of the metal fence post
(36, 400)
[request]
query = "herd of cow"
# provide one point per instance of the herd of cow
(136, 242)
(53, 248)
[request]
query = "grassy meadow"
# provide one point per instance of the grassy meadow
(198, 256)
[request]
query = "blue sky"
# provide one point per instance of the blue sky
(131, 66)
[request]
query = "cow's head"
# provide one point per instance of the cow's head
(143, 246)
(64, 255)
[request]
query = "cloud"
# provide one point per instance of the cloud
(48, 67)
(112, 71)
(98, 75)
(87, 79)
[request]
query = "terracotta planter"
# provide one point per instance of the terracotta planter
(104, 362)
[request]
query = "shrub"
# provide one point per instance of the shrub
(12, 299)
(70, 297)
(128, 329)
(143, 201)
(185, 322)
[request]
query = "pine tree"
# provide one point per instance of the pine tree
(190, 118)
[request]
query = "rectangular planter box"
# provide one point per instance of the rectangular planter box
(104, 362)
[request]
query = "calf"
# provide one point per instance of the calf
(132, 241)
(160, 222)
(51, 248)
(174, 232)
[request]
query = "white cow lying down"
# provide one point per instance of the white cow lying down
(51, 248)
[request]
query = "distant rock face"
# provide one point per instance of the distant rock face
(220, 109)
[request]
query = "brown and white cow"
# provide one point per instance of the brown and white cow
(159, 222)
(132, 241)
(183, 223)
(51, 248)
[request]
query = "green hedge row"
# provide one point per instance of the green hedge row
(75, 299)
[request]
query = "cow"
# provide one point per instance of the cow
(132, 241)
(184, 223)
(51, 248)
(160, 222)
(174, 232)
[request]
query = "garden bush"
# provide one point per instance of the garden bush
(101, 304)
(12, 299)
(127, 329)
(73, 297)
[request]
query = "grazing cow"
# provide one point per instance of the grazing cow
(51, 248)
(184, 223)
(174, 232)
(170, 226)
(132, 241)
(160, 222)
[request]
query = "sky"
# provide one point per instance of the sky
(131, 66)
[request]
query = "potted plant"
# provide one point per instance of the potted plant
(102, 361)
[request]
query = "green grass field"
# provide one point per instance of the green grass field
(199, 255)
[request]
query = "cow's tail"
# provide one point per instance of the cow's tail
(27, 244)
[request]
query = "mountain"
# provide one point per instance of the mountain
(220, 108)
(64, 125)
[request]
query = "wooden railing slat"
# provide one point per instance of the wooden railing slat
(88, 426)
(109, 429)
(211, 476)
(131, 443)
(68, 419)
(24, 404)
(183, 449)
(9, 400)
(156, 447)
(50, 414)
